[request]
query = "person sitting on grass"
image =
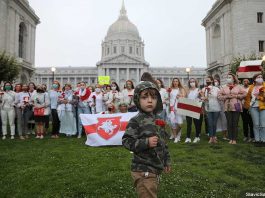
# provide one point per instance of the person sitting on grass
(145, 137)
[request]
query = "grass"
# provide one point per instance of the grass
(65, 167)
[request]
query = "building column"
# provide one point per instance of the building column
(75, 81)
(61, 82)
(127, 74)
(137, 75)
(118, 75)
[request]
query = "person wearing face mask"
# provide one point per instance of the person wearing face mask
(221, 122)
(53, 95)
(66, 111)
(7, 103)
(41, 106)
(212, 107)
(255, 102)
(96, 100)
(232, 95)
(164, 97)
(24, 106)
(114, 96)
(246, 117)
(17, 90)
(82, 104)
(127, 96)
(194, 94)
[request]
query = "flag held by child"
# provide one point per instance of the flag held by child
(105, 129)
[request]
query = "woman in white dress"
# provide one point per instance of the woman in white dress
(127, 95)
(164, 96)
(66, 111)
(95, 100)
(114, 96)
(176, 91)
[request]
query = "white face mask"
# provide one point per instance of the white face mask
(216, 84)
(113, 88)
(192, 85)
(229, 80)
(97, 90)
(259, 80)
(83, 87)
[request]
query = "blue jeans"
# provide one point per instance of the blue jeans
(83, 110)
(212, 118)
(258, 118)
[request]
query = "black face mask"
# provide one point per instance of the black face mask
(208, 83)
(40, 91)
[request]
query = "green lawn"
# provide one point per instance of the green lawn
(65, 167)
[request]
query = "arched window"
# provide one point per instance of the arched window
(22, 40)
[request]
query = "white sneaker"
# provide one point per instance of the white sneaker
(176, 140)
(37, 137)
(245, 139)
(188, 140)
(41, 137)
(12, 137)
(171, 137)
(79, 136)
(4, 137)
(196, 140)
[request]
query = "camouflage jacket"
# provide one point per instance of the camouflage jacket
(135, 139)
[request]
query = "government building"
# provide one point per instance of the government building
(18, 23)
(122, 58)
(233, 28)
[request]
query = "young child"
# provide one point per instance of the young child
(145, 137)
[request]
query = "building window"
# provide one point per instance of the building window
(115, 50)
(261, 46)
(260, 17)
(108, 51)
(122, 49)
(137, 51)
(130, 50)
(22, 40)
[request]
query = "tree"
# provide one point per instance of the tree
(236, 62)
(9, 68)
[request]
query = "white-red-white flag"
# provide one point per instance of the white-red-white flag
(248, 69)
(105, 129)
(189, 107)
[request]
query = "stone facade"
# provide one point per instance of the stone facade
(231, 30)
(122, 58)
(18, 23)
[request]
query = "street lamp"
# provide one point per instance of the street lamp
(263, 58)
(188, 72)
(53, 70)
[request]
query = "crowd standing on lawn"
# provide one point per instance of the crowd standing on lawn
(28, 108)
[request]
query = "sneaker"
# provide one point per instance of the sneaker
(250, 140)
(12, 137)
(37, 137)
(176, 140)
(41, 137)
(171, 137)
(196, 140)
(4, 137)
(79, 136)
(21, 137)
(245, 139)
(188, 140)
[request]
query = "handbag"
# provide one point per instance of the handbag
(39, 111)
(237, 107)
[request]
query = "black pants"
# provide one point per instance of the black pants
(232, 123)
(197, 124)
(205, 123)
(247, 124)
(55, 122)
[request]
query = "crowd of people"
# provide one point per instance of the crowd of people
(28, 109)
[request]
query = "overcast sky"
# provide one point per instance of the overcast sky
(71, 32)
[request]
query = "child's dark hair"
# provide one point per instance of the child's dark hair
(150, 91)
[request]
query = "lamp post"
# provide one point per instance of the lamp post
(188, 72)
(53, 70)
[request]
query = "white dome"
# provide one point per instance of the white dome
(123, 26)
